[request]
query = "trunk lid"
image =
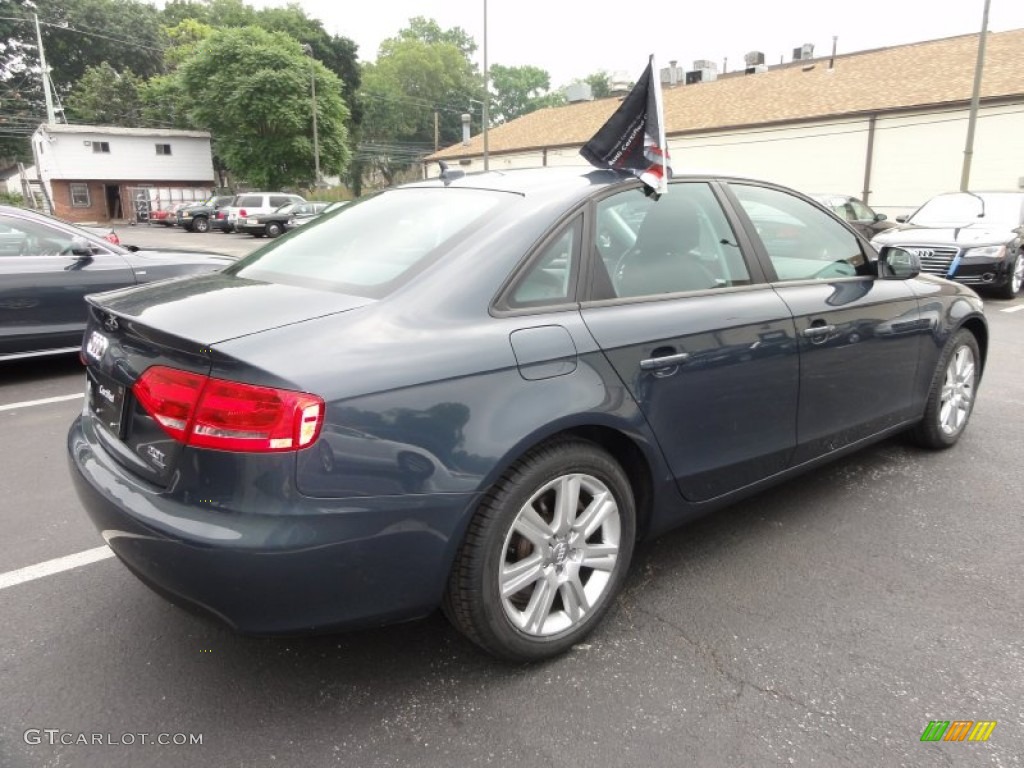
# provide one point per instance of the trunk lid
(177, 324)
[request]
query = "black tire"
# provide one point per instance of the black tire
(200, 224)
(1011, 287)
(274, 229)
(951, 394)
(568, 598)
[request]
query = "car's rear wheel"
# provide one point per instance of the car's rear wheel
(274, 229)
(545, 554)
(1012, 286)
(951, 397)
(200, 224)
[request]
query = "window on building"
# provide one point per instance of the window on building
(80, 196)
(163, 149)
(101, 146)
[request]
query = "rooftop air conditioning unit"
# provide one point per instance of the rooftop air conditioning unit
(805, 51)
(757, 69)
(705, 64)
(754, 58)
(701, 76)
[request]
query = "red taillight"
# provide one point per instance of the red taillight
(228, 415)
(242, 214)
(220, 214)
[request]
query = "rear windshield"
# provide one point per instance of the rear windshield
(372, 247)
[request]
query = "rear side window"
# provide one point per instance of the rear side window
(276, 201)
(372, 247)
(249, 201)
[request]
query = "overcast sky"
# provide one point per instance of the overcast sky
(572, 39)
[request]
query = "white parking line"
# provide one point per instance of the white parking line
(1018, 308)
(50, 567)
(44, 401)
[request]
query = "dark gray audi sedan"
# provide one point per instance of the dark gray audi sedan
(479, 392)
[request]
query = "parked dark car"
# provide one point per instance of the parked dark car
(46, 269)
(275, 223)
(856, 213)
(975, 238)
(198, 217)
(479, 392)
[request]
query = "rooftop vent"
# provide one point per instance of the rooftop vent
(805, 51)
(754, 58)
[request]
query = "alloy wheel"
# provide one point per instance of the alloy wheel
(560, 555)
(957, 391)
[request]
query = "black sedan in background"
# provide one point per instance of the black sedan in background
(281, 219)
(974, 238)
(478, 392)
(856, 213)
(46, 269)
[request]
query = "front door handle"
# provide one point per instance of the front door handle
(654, 363)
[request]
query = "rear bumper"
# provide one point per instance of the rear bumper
(319, 564)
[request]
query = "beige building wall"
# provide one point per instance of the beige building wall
(915, 155)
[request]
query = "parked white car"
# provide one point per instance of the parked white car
(254, 203)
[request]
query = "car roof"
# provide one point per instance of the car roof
(554, 182)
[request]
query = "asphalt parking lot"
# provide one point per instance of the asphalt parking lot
(823, 623)
(176, 238)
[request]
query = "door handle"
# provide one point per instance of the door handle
(819, 331)
(654, 363)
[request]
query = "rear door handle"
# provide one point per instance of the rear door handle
(654, 363)
(819, 331)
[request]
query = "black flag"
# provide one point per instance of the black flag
(633, 139)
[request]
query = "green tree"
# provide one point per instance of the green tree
(422, 72)
(104, 96)
(600, 84)
(251, 89)
(428, 31)
(517, 91)
(78, 34)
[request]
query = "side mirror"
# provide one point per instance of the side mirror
(902, 218)
(80, 247)
(879, 217)
(898, 264)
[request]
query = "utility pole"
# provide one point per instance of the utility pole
(965, 174)
(45, 71)
(316, 137)
(487, 92)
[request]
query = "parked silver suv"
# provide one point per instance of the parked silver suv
(251, 203)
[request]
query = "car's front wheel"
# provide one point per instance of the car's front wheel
(545, 554)
(274, 229)
(200, 224)
(1011, 287)
(951, 396)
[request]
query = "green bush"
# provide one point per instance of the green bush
(11, 198)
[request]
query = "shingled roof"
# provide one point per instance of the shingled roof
(928, 74)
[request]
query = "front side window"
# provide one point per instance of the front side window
(861, 212)
(802, 241)
(80, 195)
(374, 246)
(23, 237)
(681, 242)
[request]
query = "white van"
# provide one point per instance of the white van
(252, 203)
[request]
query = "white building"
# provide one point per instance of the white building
(887, 125)
(97, 173)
